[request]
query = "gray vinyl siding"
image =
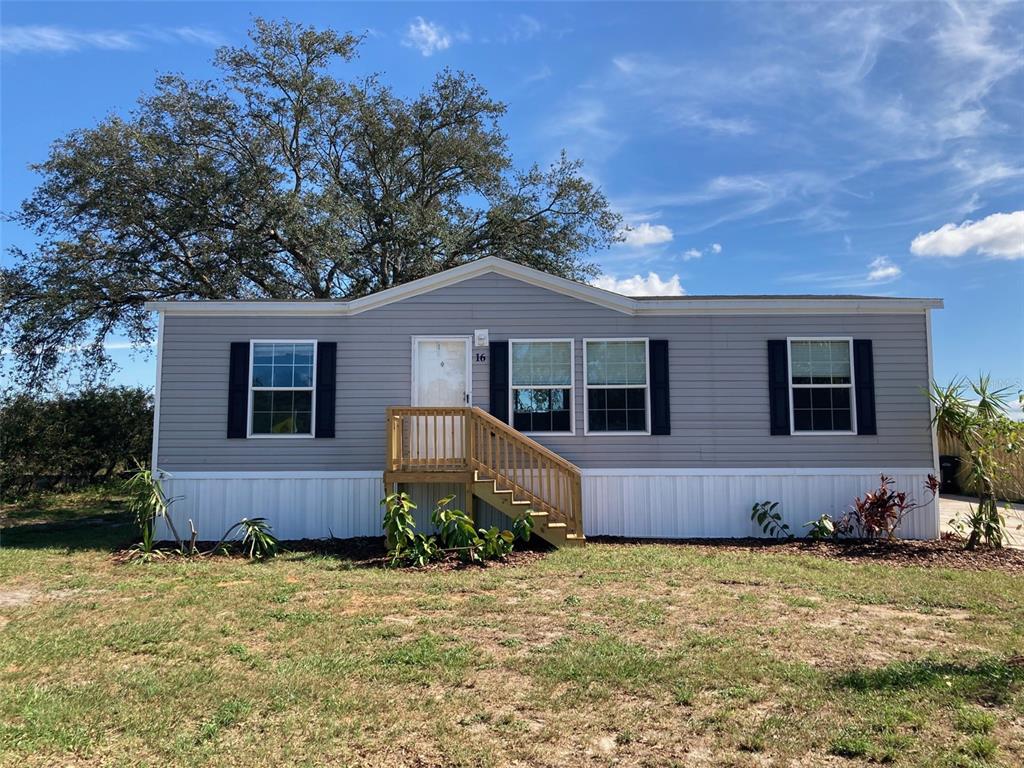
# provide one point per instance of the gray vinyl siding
(718, 374)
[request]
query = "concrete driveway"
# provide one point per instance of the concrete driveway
(959, 507)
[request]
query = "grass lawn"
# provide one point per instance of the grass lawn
(652, 655)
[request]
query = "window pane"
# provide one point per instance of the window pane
(261, 423)
(636, 420)
(283, 423)
(541, 363)
(262, 354)
(616, 362)
(617, 410)
(841, 419)
(261, 401)
(284, 354)
(282, 400)
(282, 376)
(262, 375)
(304, 354)
(303, 422)
(617, 420)
(303, 376)
(541, 410)
(802, 419)
(822, 409)
(820, 362)
(616, 398)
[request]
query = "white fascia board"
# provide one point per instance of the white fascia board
(571, 288)
(751, 471)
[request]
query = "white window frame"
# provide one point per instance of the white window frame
(468, 341)
(646, 387)
(853, 392)
(311, 390)
(572, 384)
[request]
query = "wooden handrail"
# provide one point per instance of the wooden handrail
(454, 439)
(496, 423)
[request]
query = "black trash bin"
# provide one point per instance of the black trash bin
(949, 468)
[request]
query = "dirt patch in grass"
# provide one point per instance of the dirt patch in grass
(946, 553)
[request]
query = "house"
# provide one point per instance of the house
(516, 390)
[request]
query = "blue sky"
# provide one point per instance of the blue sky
(752, 148)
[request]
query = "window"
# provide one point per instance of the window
(541, 377)
(281, 396)
(821, 385)
(617, 385)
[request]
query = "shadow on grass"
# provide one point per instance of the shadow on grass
(108, 532)
(989, 680)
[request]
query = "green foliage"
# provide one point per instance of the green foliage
(765, 514)
(977, 417)
(496, 544)
(76, 438)
(456, 534)
(399, 525)
(456, 531)
(277, 178)
(423, 550)
(258, 542)
(822, 528)
(522, 527)
(147, 502)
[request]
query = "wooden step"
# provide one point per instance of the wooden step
(504, 501)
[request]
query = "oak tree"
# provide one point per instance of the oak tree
(277, 179)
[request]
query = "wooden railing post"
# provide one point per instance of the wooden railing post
(390, 434)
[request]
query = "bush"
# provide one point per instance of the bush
(766, 515)
(456, 534)
(75, 439)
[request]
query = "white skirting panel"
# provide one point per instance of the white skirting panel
(688, 504)
(642, 503)
(307, 507)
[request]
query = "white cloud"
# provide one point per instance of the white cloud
(427, 37)
(881, 270)
(55, 39)
(1000, 235)
(645, 234)
(696, 253)
(524, 27)
(652, 285)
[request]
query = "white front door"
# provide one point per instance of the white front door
(441, 377)
(441, 372)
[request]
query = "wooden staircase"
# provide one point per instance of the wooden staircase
(495, 463)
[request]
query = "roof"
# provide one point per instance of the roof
(629, 305)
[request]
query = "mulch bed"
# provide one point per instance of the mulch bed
(369, 552)
(947, 553)
(363, 552)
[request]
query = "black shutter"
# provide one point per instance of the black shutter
(660, 417)
(326, 378)
(238, 390)
(864, 384)
(499, 380)
(778, 386)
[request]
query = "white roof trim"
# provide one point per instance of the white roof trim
(589, 293)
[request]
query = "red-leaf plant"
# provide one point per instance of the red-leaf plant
(879, 513)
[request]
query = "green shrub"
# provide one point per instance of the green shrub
(765, 514)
